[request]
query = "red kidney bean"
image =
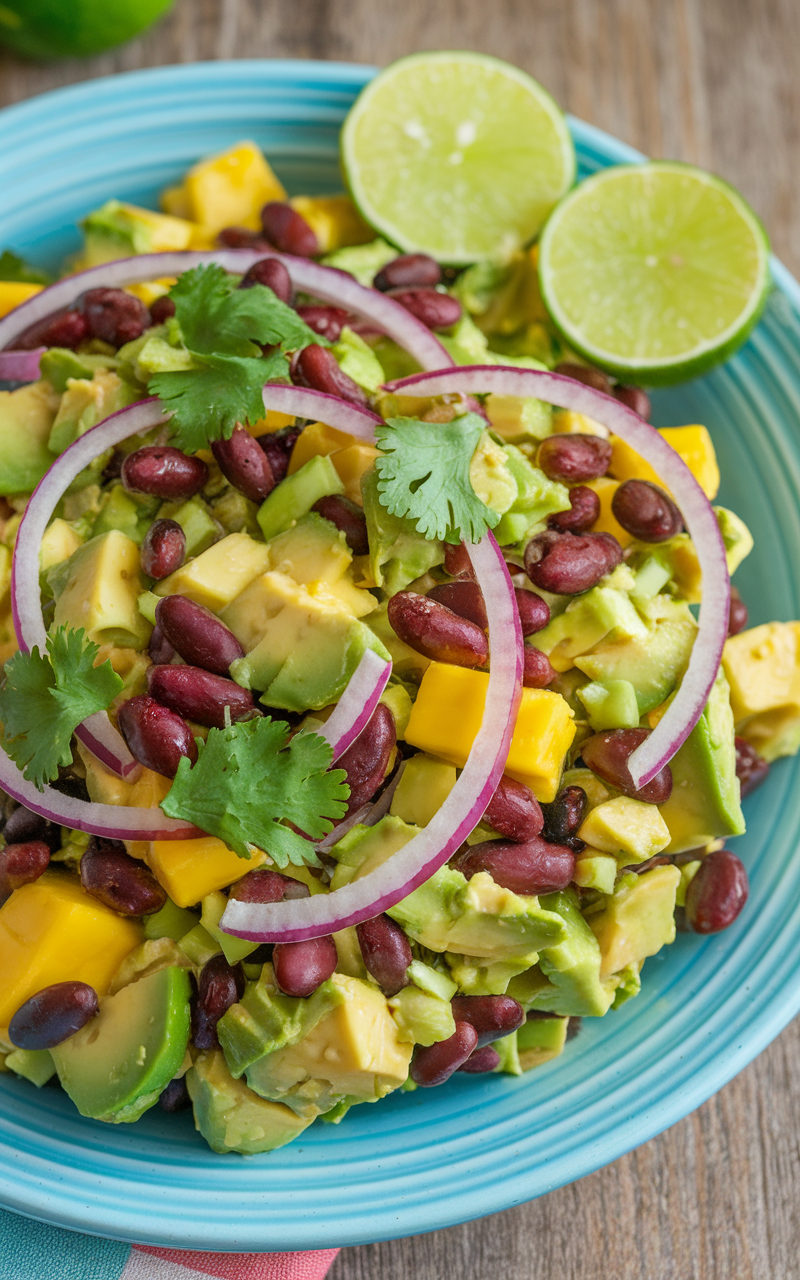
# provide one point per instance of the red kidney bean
(717, 893)
(113, 316)
(386, 952)
(514, 811)
(220, 985)
(584, 509)
(53, 1015)
(481, 1060)
(434, 310)
(164, 472)
(120, 882)
(530, 868)
(200, 638)
(737, 617)
(348, 517)
(64, 329)
(316, 367)
(584, 373)
(200, 695)
(162, 309)
(491, 1016)
(278, 446)
(245, 464)
(265, 885)
(410, 270)
(534, 612)
(288, 230)
(22, 826)
(537, 670)
(159, 648)
(607, 753)
(646, 511)
(328, 322)
(436, 1063)
(242, 238)
(456, 561)
(175, 1097)
(434, 630)
(273, 275)
(366, 761)
(22, 864)
(635, 398)
(569, 563)
(574, 459)
(301, 967)
(163, 549)
(564, 816)
(157, 737)
(751, 768)
(463, 597)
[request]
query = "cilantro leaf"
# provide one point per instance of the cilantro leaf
(45, 699)
(250, 779)
(15, 269)
(208, 402)
(424, 474)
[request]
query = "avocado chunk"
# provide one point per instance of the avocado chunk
(296, 495)
(397, 553)
(99, 591)
(610, 704)
(266, 1020)
(116, 1066)
(123, 511)
(35, 1065)
(59, 541)
(652, 662)
(151, 955)
(363, 849)
(233, 1118)
(537, 498)
(218, 575)
(197, 522)
(357, 359)
(85, 403)
(629, 828)
(589, 618)
(118, 230)
(425, 785)
(59, 364)
(762, 665)
(26, 419)
(474, 977)
(421, 1018)
(638, 920)
(315, 552)
(568, 978)
(171, 921)
(539, 1040)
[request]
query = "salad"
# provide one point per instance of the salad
(359, 722)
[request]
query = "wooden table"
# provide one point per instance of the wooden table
(709, 81)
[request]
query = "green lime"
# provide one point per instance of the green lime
(457, 155)
(74, 28)
(655, 272)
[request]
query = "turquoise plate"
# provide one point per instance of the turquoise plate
(432, 1158)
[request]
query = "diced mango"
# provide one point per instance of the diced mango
(13, 292)
(335, 221)
(607, 522)
(272, 421)
(693, 444)
(567, 422)
(219, 574)
(229, 189)
(350, 465)
(627, 827)
(149, 290)
(191, 869)
(52, 931)
(447, 715)
(317, 440)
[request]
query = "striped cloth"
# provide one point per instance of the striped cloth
(32, 1251)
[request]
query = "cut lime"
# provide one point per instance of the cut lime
(655, 272)
(78, 28)
(457, 155)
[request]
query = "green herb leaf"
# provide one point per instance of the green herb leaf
(45, 698)
(424, 474)
(15, 270)
(250, 779)
(207, 403)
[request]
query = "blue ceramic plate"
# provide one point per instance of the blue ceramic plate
(432, 1158)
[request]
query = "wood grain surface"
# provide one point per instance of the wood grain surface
(710, 81)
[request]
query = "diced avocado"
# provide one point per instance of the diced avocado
(398, 699)
(150, 956)
(596, 791)
(398, 554)
(121, 510)
(630, 983)
(198, 946)
(35, 1065)
(420, 1017)
(589, 618)
(26, 419)
(688, 872)
(363, 261)
(539, 1040)
(315, 553)
(59, 364)
(196, 520)
(349, 959)
(266, 1020)
(489, 977)
(638, 920)
(654, 662)
(358, 360)
(233, 1118)
(425, 785)
(595, 870)
(490, 475)
(296, 495)
(735, 534)
(85, 403)
(705, 801)
(364, 849)
(433, 981)
(610, 704)
(101, 592)
(568, 979)
(537, 498)
(116, 1066)
(233, 949)
(157, 355)
(634, 830)
(215, 577)
(762, 665)
(515, 416)
(117, 230)
(58, 544)
(234, 513)
(171, 921)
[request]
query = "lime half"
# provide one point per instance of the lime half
(457, 155)
(74, 28)
(654, 271)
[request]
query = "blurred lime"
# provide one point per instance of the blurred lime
(457, 155)
(74, 28)
(655, 272)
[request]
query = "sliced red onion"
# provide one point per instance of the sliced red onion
(297, 919)
(686, 708)
(354, 709)
(318, 405)
(20, 366)
(325, 283)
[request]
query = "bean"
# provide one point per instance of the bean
(301, 967)
(456, 561)
(607, 753)
(434, 310)
(408, 271)
(245, 464)
(584, 373)
(574, 459)
(53, 1015)
(162, 309)
(348, 517)
(157, 737)
(22, 864)
(529, 868)
(200, 638)
(265, 885)
(569, 563)
(159, 648)
(737, 617)
(481, 1060)
(23, 825)
(273, 275)
(288, 230)
(175, 1097)
(537, 670)
(463, 597)
(64, 329)
(220, 985)
(635, 398)
(316, 367)
(367, 760)
(436, 1063)
(113, 316)
(163, 549)
(751, 769)
(491, 1016)
(386, 952)
(584, 509)
(328, 322)
(200, 695)
(242, 238)
(646, 511)
(120, 882)
(534, 612)
(717, 893)
(278, 446)
(164, 472)
(564, 816)
(514, 811)
(434, 630)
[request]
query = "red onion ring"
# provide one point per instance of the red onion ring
(319, 405)
(20, 366)
(354, 709)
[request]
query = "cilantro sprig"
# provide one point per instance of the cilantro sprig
(46, 697)
(250, 779)
(223, 328)
(424, 475)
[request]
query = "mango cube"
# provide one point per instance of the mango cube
(230, 189)
(350, 465)
(607, 522)
(335, 221)
(317, 440)
(13, 292)
(693, 444)
(191, 869)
